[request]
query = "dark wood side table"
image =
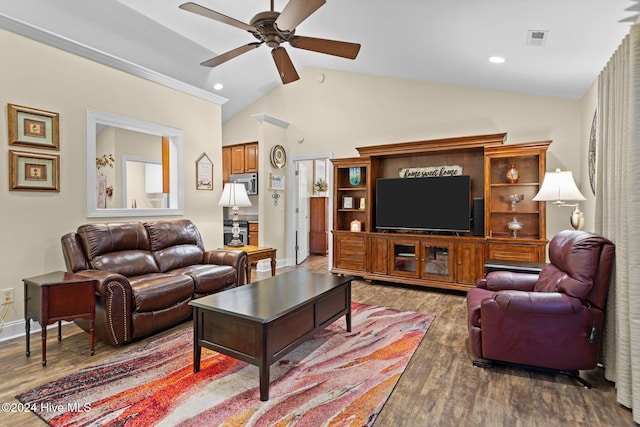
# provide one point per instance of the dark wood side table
(55, 297)
(491, 264)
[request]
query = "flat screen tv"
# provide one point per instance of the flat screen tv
(424, 204)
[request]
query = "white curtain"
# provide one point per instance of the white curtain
(618, 214)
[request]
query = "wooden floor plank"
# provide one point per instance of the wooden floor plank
(440, 386)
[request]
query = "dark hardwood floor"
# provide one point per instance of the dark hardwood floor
(439, 388)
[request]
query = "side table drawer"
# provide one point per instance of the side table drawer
(69, 301)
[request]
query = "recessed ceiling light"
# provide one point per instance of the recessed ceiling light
(496, 59)
(218, 86)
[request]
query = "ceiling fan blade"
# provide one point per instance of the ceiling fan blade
(213, 62)
(284, 65)
(295, 12)
(208, 13)
(330, 47)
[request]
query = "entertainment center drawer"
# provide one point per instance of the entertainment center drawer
(516, 252)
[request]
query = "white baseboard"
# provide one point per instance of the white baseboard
(15, 329)
(265, 264)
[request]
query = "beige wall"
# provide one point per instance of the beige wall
(272, 217)
(348, 110)
(38, 76)
(589, 106)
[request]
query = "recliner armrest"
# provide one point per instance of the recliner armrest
(548, 303)
(508, 280)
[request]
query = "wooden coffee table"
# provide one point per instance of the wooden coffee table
(261, 322)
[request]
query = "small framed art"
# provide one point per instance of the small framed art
(34, 171)
(347, 202)
(204, 173)
(29, 127)
(276, 182)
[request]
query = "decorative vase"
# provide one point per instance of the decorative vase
(514, 226)
(514, 199)
(512, 174)
(354, 176)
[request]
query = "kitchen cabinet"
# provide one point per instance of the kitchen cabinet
(239, 158)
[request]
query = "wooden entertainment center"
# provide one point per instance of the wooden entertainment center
(453, 261)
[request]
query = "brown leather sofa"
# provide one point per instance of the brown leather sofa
(147, 273)
(553, 320)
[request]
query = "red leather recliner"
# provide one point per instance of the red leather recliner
(552, 320)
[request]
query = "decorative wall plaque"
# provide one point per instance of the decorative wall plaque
(431, 171)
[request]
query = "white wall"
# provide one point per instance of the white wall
(38, 76)
(349, 110)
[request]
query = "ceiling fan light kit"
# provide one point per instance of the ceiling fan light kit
(274, 28)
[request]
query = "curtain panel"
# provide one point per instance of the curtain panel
(618, 214)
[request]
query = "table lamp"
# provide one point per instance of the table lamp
(560, 187)
(234, 196)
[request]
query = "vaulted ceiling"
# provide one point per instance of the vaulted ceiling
(551, 48)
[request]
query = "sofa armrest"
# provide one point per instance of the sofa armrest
(235, 258)
(508, 280)
(116, 307)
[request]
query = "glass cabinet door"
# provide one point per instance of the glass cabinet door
(437, 261)
(404, 259)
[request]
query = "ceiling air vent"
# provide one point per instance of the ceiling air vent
(537, 37)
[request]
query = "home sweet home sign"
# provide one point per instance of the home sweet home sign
(431, 171)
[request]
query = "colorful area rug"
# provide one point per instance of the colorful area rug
(335, 378)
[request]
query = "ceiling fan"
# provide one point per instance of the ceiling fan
(274, 28)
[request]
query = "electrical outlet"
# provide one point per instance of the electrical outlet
(8, 296)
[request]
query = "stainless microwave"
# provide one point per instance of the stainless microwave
(250, 181)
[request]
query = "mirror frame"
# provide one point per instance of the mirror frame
(175, 136)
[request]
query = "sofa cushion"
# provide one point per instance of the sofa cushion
(158, 291)
(118, 247)
(178, 256)
(127, 263)
(98, 239)
(175, 244)
(208, 278)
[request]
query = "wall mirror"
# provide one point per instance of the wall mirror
(134, 168)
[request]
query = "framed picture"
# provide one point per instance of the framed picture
(347, 202)
(204, 173)
(34, 171)
(319, 177)
(276, 182)
(29, 127)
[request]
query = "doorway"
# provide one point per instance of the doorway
(298, 198)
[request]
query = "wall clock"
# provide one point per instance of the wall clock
(278, 156)
(593, 152)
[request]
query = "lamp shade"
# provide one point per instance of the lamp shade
(234, 194)
(558, 187)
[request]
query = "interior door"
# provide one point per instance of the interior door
(302, 232)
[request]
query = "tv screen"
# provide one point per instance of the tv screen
(424, 204)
